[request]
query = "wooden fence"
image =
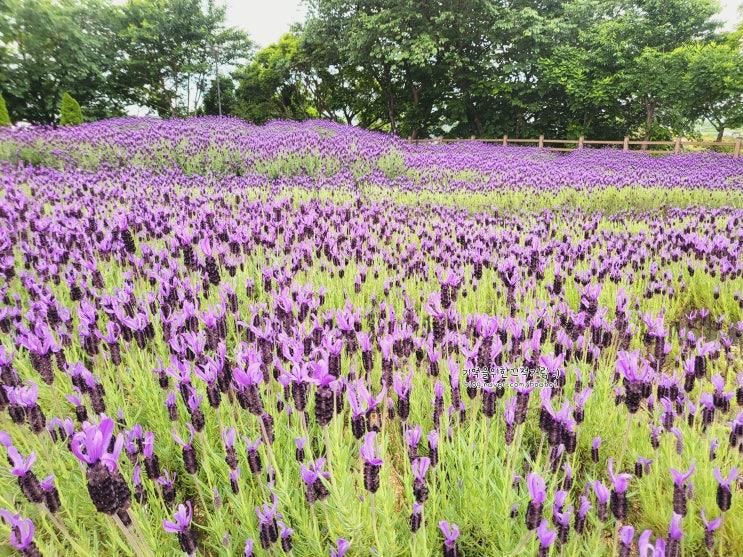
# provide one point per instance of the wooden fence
(573, 144)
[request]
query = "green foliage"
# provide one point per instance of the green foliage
(69, 111)
(155, 53)
(392, 164)
(713, 84)
(51, 47)
(222, 99)
(600, 68)
(173, 47)
(4, 116)
(271, 86)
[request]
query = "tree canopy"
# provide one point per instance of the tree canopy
(600, 68)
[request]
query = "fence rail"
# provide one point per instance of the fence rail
(678, 144)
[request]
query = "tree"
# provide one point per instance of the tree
(225, 94)
(713, 84)
(271, 86)
(53, 46)
(610, 64)
(173, 47)
(398, 45)
(69, 111)
(4, 116)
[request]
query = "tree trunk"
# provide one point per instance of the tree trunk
(389, 93)
(416, 100)
(720, 133)
(649, 119)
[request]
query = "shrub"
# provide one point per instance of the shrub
(70, 113)
(4, 116)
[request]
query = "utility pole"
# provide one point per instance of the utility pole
(215, 53)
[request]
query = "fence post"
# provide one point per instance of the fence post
(541, 142)
(625, 147)
(580, 142)
(736, 150)
(505, 140)
(677, 146)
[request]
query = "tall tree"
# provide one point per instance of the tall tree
(173, 47)
(272, 86)
(53, 46)
(220, 97)
(609, 63)
(713, 84)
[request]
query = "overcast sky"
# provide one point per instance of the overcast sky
(267, 20)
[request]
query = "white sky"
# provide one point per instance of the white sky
(264, 20)
(267, 20)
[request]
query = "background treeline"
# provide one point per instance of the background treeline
(601, 68)
(158, 54)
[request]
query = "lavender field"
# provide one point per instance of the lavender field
(308, 339)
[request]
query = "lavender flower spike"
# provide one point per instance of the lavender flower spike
(620, 483)
(546, 538)
(626, 536)
(372, 463)
(181, 526)
(724, 494)
(341, 548)
(673, 548)
(451, 533)
(710, 527)
(537, 493)
(680, 489)
(21, 533)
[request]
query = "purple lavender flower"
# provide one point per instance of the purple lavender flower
(580, 516)
(626, 537)
(267, 524)
(300, 443)
(620, 483)
(402, 386)
(636, 374)
(107, 488)
(602, 499)
(167, 482)
(451, 533)
(724, 493)
(416, 517)
(595, 446)
(420, 468)
(254, 457)
(433, 446)
(51, 495)
(340, 549)
(412, 439)
(680, 487)
(673, 547)
(372, 463)
(21, 533)
(228, 438)
(181, 526)
(646, 549)
(27, 480)
(314, 478)
(537, 495)
(190, 461)
(710, 527)
(546, 538)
